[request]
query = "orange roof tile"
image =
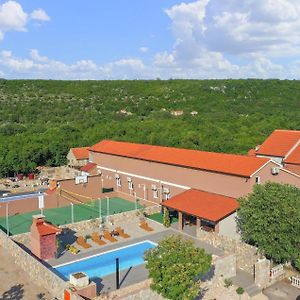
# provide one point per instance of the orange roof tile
(81, 152)
(279, 143)
(209, 206)
(45, 228)
(251, 152)
(294, 157)
(88, 167)
(239, 165)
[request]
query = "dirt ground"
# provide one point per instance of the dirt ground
(15, 284)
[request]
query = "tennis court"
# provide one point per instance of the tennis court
(21, 223)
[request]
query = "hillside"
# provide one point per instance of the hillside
(41, 120)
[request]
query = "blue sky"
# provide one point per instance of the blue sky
(93, 39)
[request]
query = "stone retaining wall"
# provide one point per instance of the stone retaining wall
(36, 271)
(246, 255)
(81, 227)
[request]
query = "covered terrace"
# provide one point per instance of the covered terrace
(204, 210)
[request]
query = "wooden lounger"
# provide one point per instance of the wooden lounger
(97, 239)
(107, 236)
(81, 242)
(122, 233)
(144, 225)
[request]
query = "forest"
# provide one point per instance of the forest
(40, 120)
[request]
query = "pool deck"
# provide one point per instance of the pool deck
(135, 274)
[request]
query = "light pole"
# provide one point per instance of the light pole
(107, 206)
(100, 210)
(72, 212)
(145, 189)
(135, 200)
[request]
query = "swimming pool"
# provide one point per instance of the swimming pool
(105, 263)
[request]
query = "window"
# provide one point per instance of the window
(257, 179)
(118, 180)
(130, 185)
(167, 196)
(155, 194)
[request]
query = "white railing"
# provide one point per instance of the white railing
(295, 281)
(276, 271)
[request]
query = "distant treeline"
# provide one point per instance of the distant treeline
(41, 119)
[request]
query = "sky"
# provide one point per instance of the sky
(149, 39)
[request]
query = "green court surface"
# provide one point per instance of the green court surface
(21, 223)
(158, 217)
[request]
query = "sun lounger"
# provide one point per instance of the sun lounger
(81, 242)
(107, 236)
(122, 233)
(72, 249)
(144, 225)
(97, 239)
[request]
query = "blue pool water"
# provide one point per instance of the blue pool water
(105, 263)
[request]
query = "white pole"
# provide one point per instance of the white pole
(107, 206)
(135, 200)
(100, 213)
(145, 192)
(72, 212)
(7, 223)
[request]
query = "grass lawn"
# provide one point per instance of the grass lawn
(158, 217)
(21, 223)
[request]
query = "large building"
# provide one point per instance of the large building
(282, 146)
(172, 177)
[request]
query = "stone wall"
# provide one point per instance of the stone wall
(36, 271)
(246, 255)
(80, 227)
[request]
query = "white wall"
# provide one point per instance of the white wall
(228, 227)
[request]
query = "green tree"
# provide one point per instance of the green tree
(176, 266)
(269, 218)
(167, 221)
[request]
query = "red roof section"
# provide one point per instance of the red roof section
(209, 206)
(81, 152)
(251, 152)
(45, 228)
(239, 165)
(88, 167)
(279, 143)
(294, 157)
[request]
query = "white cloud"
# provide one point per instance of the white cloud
(40, 15)
(38, 66)
(144, 49)
(14, 18)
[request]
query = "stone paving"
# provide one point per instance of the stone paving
(15, 285)
(282, 290)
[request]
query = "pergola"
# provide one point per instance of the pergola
(202, 205)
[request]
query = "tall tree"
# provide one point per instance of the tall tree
(175, 267)
(269, 218)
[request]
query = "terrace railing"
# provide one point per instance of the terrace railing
(295, 281)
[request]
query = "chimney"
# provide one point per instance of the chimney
(36, 219)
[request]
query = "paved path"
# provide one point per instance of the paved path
(282, 290)
(15, 285)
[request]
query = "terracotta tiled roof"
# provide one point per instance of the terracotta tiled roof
(45, 228)
(279, 143)
(251, 152)
(239, 165)
(88, 167)
(209, 206)
(294, 157)
(81, 152)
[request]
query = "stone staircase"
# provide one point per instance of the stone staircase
(246, 281)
